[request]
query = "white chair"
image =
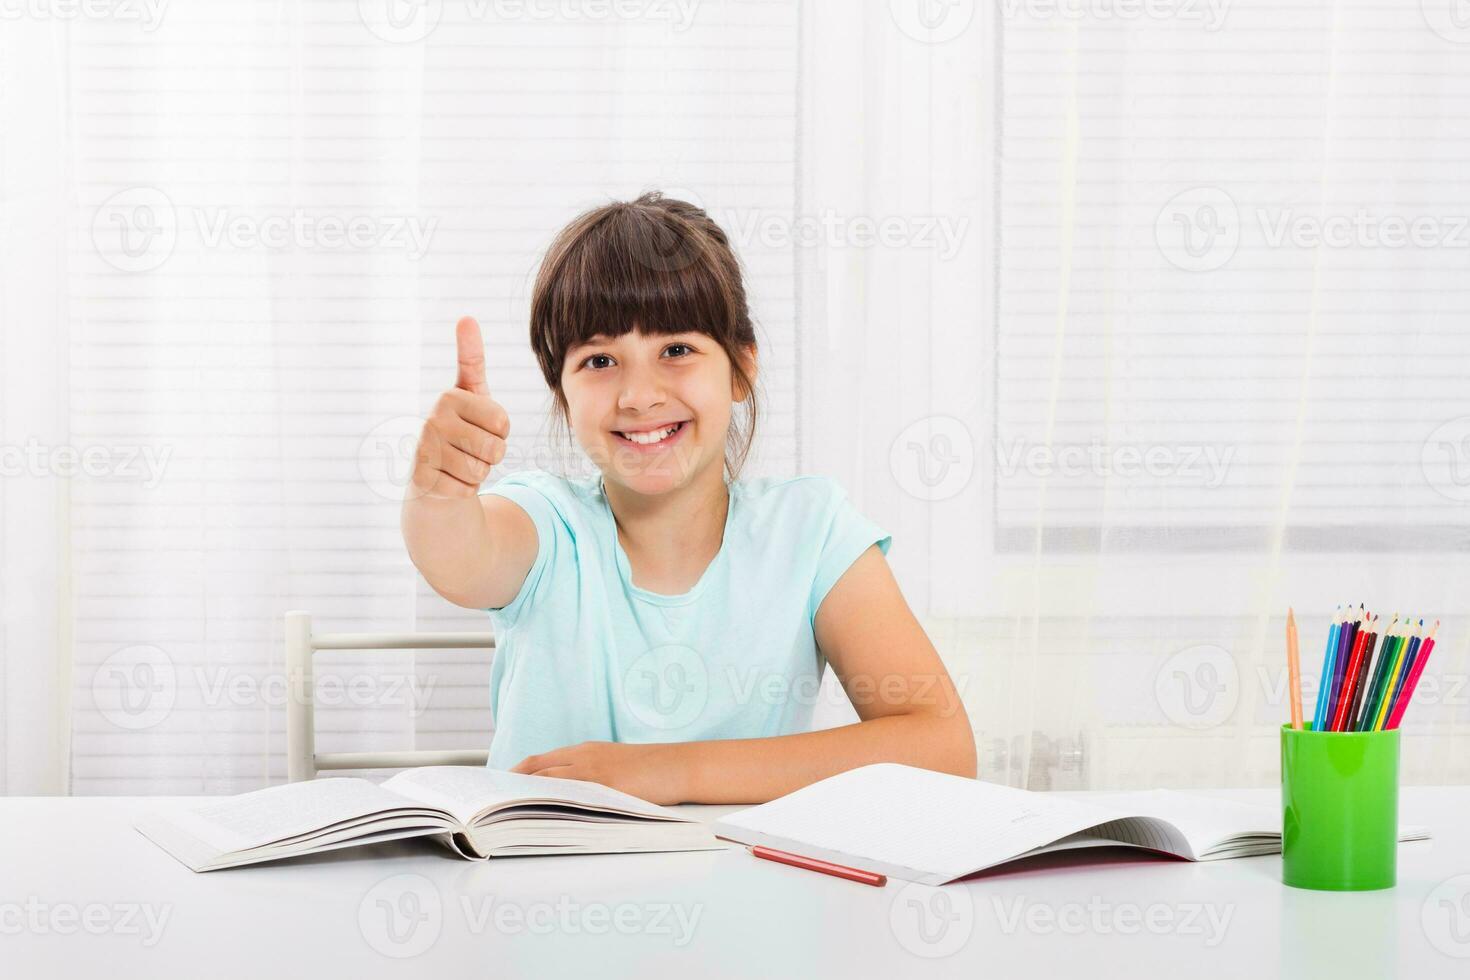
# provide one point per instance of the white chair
(302, 759)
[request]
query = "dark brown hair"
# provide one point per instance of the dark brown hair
(655, 264)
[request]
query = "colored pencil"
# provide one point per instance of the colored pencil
(1413, 681)
(1345, 642)
(1349, 681)
(1294, 669)
(1380, 677)
(1365, 672)
(1401, 674)
(1381, 714)
(1324, 689)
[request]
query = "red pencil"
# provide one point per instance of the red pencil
(825, 867)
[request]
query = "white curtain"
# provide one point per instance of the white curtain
(1038, 283)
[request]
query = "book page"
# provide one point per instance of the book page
(275, 813)
(1204, 822)
(465, 791)
(925, 825)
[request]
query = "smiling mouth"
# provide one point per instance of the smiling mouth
(653, 438)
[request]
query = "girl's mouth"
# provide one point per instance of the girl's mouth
(654, 441)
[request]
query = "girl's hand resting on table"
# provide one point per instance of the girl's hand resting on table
(648, 772)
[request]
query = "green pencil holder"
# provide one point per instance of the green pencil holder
(1340, 809)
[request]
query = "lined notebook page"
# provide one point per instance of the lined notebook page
(913, 823)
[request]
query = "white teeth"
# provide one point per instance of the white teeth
(649, 438)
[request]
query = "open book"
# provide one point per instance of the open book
(934, 828)
(476, 812)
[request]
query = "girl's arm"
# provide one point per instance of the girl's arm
(910, 711)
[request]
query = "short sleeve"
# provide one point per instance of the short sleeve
(848, 533)
(520, 489)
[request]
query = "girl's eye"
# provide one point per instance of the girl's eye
(674, 346)
(595, 357)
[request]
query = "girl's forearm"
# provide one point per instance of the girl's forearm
(754, 770)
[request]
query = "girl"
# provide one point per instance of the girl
(662, 628)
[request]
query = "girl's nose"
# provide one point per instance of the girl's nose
(641, 391)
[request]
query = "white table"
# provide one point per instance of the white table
(70, 864)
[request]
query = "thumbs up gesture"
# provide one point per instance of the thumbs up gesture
(465, 434)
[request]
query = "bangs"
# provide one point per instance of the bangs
(627, 267)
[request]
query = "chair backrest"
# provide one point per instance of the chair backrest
(302, 759)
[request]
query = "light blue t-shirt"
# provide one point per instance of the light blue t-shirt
(583, 654)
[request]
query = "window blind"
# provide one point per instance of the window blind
(281, 212)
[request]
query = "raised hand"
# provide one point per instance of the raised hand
(465, 434)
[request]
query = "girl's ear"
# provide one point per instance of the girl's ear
(748, 360)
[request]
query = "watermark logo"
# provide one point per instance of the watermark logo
(1209, 14)
(138, 229)
(1198, 230)
(1198, 687)
(1450, 19)
(146, 13)
(1445, 917)
(135, 687)
(932, 922)
(932, 21)
(1445, 459)
(567, 917)
(668, 687)
(134, 919)
(401, 916)
(1197, 465)
(1099, 917)
(135, 230)
(933, 459)
(400, 21)
(127, 463)
(385, 456)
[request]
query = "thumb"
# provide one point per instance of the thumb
(471, 356)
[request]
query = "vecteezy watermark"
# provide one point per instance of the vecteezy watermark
(1362, 229)
(930, 921)
(932, 21)
(933, 458)
(1209, 14)
(1450, 19)
(401, 916)
(135, 687)
(939, 233)
(1198, 687)
(1198, 230)
(221, 686)
(136, 464)
(410, 21)
(1445, 917)
(1200, 465)
(667, 688)
(404, 915)
(566, 916)
(143, 920)
(386, 457)
(1208, 921)
(1445, 459)
(139, 686)
(137, 229)
(146, 13)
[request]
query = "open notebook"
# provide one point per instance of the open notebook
(934, 828)
(475, 812)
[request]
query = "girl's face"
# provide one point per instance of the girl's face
(625, 394)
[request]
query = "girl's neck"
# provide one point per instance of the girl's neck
(674, 535)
